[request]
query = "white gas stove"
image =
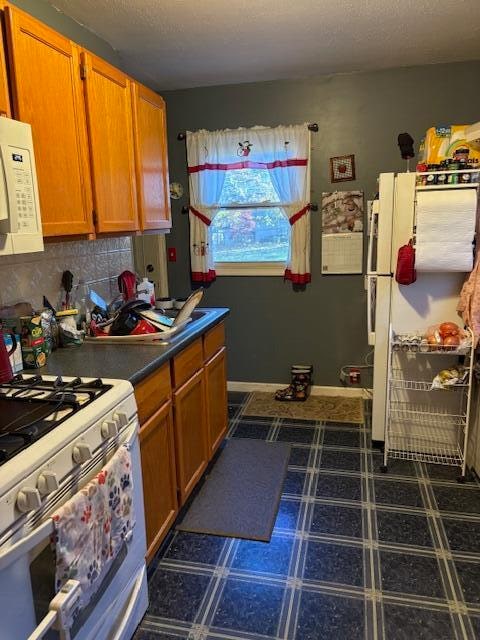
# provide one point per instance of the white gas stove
(55, 435)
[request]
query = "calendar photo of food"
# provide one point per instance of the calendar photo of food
(342, 212)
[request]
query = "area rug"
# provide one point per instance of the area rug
(241, 495)
(322, 408)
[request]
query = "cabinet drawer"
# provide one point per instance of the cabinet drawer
(213, 340)
(187, 362)
(152, 392)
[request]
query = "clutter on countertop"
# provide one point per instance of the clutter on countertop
(127, 281)
(9, 345)
(137, 321)
(34, 347)
(133, 364)
(146, 291)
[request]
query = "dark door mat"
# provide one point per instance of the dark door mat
(240, 497)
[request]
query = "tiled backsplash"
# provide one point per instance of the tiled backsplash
(27, 277)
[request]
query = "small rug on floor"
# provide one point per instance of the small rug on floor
(240, 497)
(322, 408)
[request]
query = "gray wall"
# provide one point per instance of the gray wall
(49, 15)
(272, 326)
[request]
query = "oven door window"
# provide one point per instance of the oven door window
(42, 575)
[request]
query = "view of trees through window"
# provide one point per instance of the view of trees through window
(249, 234)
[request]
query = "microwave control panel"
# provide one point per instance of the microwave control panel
(20, 191)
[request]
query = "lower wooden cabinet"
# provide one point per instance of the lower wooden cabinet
(217, 409)
(190, 433)
(159, 477)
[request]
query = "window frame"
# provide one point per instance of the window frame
(267, 268)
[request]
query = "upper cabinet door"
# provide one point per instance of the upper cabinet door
(47, 93)
(4, 91)
(110, 130)
(150, 129)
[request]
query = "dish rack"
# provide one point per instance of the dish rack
(427, 424)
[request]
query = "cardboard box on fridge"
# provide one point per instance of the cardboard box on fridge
(449, 142)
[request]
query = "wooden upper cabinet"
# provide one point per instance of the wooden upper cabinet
(5, 109)
(150, 129)
(47, 93)
(110, 131)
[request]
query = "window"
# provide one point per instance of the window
(249, 235)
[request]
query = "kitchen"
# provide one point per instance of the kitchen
(190, 591)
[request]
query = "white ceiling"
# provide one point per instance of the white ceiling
(185, 43)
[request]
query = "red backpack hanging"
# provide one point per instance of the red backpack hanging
(405, 273)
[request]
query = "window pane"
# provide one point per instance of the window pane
(248, 186)
(250, 235)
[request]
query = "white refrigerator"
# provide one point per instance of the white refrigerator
(432, 299)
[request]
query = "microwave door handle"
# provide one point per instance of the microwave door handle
(9, 555)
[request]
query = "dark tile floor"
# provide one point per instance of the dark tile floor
(355, 554)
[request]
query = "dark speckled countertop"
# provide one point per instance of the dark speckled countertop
(127, 362)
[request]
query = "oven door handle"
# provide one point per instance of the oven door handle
(20, 548)
(60, 612)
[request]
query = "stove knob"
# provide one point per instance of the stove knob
(47, 482)
(28, 499)
(121, 418)
(81, 452)
(109, 429)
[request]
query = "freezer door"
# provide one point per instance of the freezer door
(385, 223)
(380, 360)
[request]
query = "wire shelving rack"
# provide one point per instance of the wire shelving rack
(423, 423)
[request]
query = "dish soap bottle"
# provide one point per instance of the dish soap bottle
(146, 291)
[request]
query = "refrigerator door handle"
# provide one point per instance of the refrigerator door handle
(373, 226)
(371, 288)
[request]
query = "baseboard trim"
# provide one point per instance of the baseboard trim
(316, 390)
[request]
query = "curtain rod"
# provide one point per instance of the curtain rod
(311, 127)
(313, 207)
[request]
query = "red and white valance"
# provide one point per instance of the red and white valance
(285, 152)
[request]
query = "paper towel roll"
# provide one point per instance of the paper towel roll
(445, 229)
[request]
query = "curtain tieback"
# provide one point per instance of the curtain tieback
(296, 216)
(200, 215)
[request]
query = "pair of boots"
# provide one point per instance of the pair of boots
(298, 389)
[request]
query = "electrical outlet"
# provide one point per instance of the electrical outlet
(354, 376)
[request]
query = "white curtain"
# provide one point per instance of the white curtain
(285, 152)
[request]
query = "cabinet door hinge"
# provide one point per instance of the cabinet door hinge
(83, 71)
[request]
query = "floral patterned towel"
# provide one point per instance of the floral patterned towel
(90, 529)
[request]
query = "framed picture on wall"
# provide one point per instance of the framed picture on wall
(342, 168)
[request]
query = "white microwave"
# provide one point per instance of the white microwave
(20, 222)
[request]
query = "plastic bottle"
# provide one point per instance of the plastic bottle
(146, 291)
